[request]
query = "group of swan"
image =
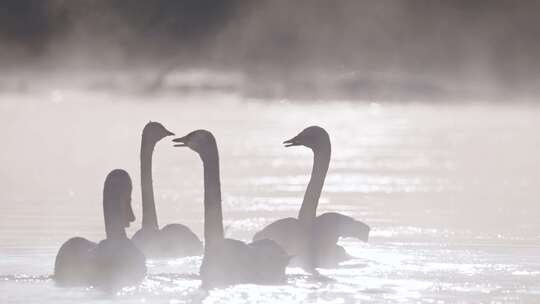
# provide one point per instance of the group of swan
(308, 241)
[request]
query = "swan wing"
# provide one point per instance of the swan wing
(271, 261)
(331, 226)
(178, 240)
(286, 232)
(72, 266)
(117, 263)
(172, 241)
(227, 262)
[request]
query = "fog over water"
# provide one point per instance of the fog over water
(449, 190)
(431, 107)
(399, 50)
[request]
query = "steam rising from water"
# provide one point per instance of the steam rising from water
(311, 49)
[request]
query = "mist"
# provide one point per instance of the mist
(341, 151)
(360, 50)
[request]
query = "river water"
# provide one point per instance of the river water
(451, 193)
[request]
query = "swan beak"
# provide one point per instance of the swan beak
(169, 133)
(181, 141)
(291, 142)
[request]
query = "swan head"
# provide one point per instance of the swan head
(200, 141)
(117, 200)
(311, 137)
(154, 131)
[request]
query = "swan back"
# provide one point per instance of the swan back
(287, 233)
(117, 263)
(229, 262)
(330, 226)
(271, 260)
(72, 266)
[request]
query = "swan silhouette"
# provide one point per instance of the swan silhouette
(115, 261)
(312, 239)
(227, 261)
(173, 240)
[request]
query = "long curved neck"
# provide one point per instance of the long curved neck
(149, 216)
(113, 226)
(213, 216)
(321, 161)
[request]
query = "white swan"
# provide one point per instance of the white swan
(115, 261)
(312, 239)
(173, 240)
(227, 261)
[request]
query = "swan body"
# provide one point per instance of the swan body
(328, 228)
(173, 240)
(228, 261)
(312, 239)
(73, 262)
(113, 262)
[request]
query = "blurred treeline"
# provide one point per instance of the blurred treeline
(31, 27)
(479, 43)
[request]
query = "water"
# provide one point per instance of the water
(451, 192)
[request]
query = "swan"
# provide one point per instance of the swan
(228, 261)
(113, 262)
(173, 240)
(312, 239)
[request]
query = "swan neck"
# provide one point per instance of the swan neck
(113, 227)
(213, 217)
(149, 216)
(321, 161)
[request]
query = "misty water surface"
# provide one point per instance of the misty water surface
(450, 191)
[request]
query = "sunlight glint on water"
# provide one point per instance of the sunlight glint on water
(451, 193)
